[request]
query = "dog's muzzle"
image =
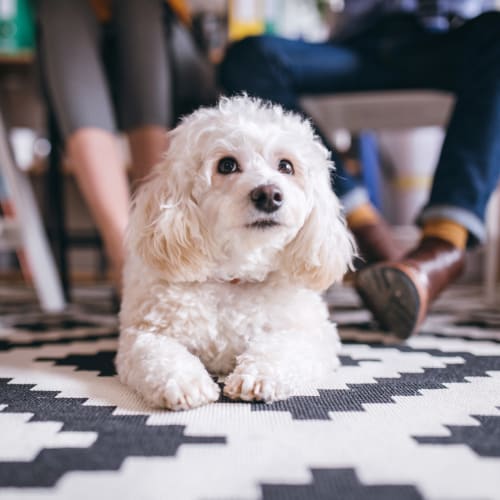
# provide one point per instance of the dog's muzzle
(267, 198)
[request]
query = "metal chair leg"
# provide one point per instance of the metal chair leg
(31, 231)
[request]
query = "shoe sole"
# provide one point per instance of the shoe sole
(393, 298)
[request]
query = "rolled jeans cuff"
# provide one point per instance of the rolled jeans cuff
(353, 199)
(474, 225)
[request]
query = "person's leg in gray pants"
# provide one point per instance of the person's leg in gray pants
(81, 96)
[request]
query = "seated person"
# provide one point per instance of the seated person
(112, 65)
(447, 45)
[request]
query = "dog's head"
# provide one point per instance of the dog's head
(243, 191)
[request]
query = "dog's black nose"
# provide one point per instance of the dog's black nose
(267, 198)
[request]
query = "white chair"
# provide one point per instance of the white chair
(25, 230)
(379, 110)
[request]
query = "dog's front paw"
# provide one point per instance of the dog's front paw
(182, 391)
(255, 387)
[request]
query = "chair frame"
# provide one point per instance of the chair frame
(400, 109)
(26, 230)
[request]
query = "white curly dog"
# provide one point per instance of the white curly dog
(230, 243)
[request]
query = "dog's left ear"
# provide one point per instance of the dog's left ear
(323, 249)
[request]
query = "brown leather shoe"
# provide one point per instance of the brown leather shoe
(399, 293)
(376, 243)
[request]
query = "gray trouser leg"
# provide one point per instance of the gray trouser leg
(143, 75)
(73, 71)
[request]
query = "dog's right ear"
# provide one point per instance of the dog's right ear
(165, 230)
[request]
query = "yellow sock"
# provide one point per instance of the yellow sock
(447, 230)
(361, 216)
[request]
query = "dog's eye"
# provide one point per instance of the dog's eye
(227, 165)
(285, 167)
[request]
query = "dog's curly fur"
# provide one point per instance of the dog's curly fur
(215, 285)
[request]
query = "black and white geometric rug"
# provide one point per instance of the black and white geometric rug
(408, 421)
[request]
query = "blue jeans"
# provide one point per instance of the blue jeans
(397, 53)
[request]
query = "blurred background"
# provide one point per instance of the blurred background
(397, 163)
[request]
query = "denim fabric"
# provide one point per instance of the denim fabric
(397, 53)
(436, 15)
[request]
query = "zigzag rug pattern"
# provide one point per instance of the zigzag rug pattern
(404, 421)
